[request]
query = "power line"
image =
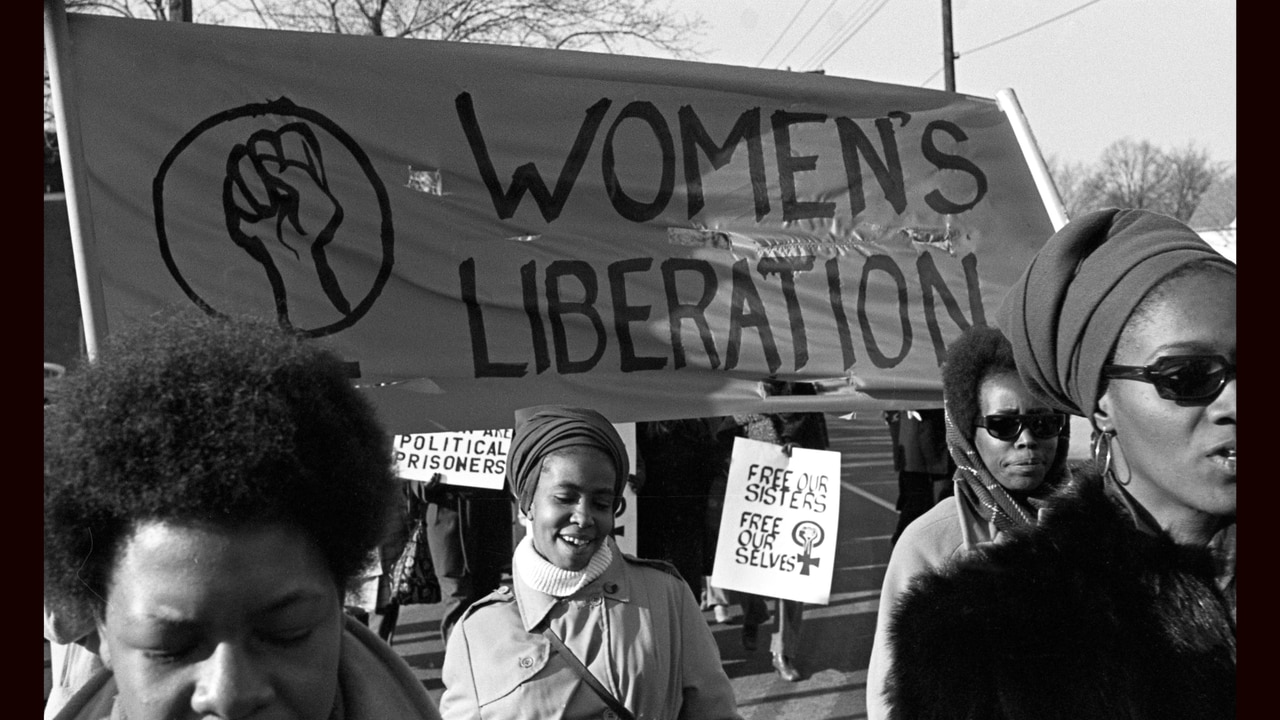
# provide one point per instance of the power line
(806, 33)
(831, 39)
(1014, 35)
(855, 31)
(783, 33)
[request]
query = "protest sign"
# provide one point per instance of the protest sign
(477, 228)
(624, 525)
(779, 524)
(476, 458)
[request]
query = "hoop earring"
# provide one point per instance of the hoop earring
(1102, 444)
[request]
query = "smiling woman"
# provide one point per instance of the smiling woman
(212, 490)
(584, 631)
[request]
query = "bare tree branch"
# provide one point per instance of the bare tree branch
(1191, 173)
(566, 24)
(1077, 186)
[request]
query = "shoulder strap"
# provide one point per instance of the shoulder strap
(577, 666)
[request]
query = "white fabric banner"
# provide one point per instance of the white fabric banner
(476, 228)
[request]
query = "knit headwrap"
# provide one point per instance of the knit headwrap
(986, 495)
(544, 429)
(1064, 315)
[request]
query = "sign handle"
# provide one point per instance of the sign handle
(67, 122)
(1035, 161)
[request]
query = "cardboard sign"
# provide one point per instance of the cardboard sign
(781, 515)
(473, 458)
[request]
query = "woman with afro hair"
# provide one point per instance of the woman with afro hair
(1010, 452)
(213, 488)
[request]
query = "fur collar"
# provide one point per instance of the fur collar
(1083, 616)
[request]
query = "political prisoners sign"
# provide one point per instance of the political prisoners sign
(478, 228)
(476, 458)
(778, 527)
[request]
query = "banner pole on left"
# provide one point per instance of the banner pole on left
(67, 122)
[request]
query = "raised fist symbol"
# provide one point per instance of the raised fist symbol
(276, 194)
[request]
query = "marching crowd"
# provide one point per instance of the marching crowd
(214, 490)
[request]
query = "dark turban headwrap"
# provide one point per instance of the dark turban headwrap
(1066, 312)
(544, 429)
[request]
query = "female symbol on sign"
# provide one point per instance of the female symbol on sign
(809, 534)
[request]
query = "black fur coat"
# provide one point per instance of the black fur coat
(1083, 617)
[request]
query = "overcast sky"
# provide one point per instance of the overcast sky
(1158, 70)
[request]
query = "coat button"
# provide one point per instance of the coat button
(611, 587)
(609, 715)
(526, 662)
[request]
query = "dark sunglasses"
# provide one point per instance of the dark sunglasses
(1008, 427)
(1182, 378)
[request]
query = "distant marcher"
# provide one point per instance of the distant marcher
(921, 460)
(468, 536)
(676, 458)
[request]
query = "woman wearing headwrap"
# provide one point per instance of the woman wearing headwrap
(584, 631)
(1120, 603)
(1010, 452)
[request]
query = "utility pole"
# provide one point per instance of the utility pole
(948, 55)
(180, 10)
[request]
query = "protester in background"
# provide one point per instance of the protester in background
(584, 631)
(1010, 452)
(212, 490)
(807, 430)
(468, 534)
(723, 430)
(1120, 603)
(676, 458)
(921, 459)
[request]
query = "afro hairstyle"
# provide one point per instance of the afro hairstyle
(192, 419)
(979, 353)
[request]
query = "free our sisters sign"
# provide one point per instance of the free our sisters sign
(479, 228)
(778, 527)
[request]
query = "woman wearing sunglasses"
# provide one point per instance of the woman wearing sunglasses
(1120, 603)
(1010, 453)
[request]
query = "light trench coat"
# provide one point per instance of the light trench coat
(636, 627)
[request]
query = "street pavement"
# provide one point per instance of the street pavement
(837, 637)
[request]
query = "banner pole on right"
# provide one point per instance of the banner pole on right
(92, 309)
(1031, 151)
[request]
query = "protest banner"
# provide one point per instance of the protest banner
(779, 524)
(478, 228)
